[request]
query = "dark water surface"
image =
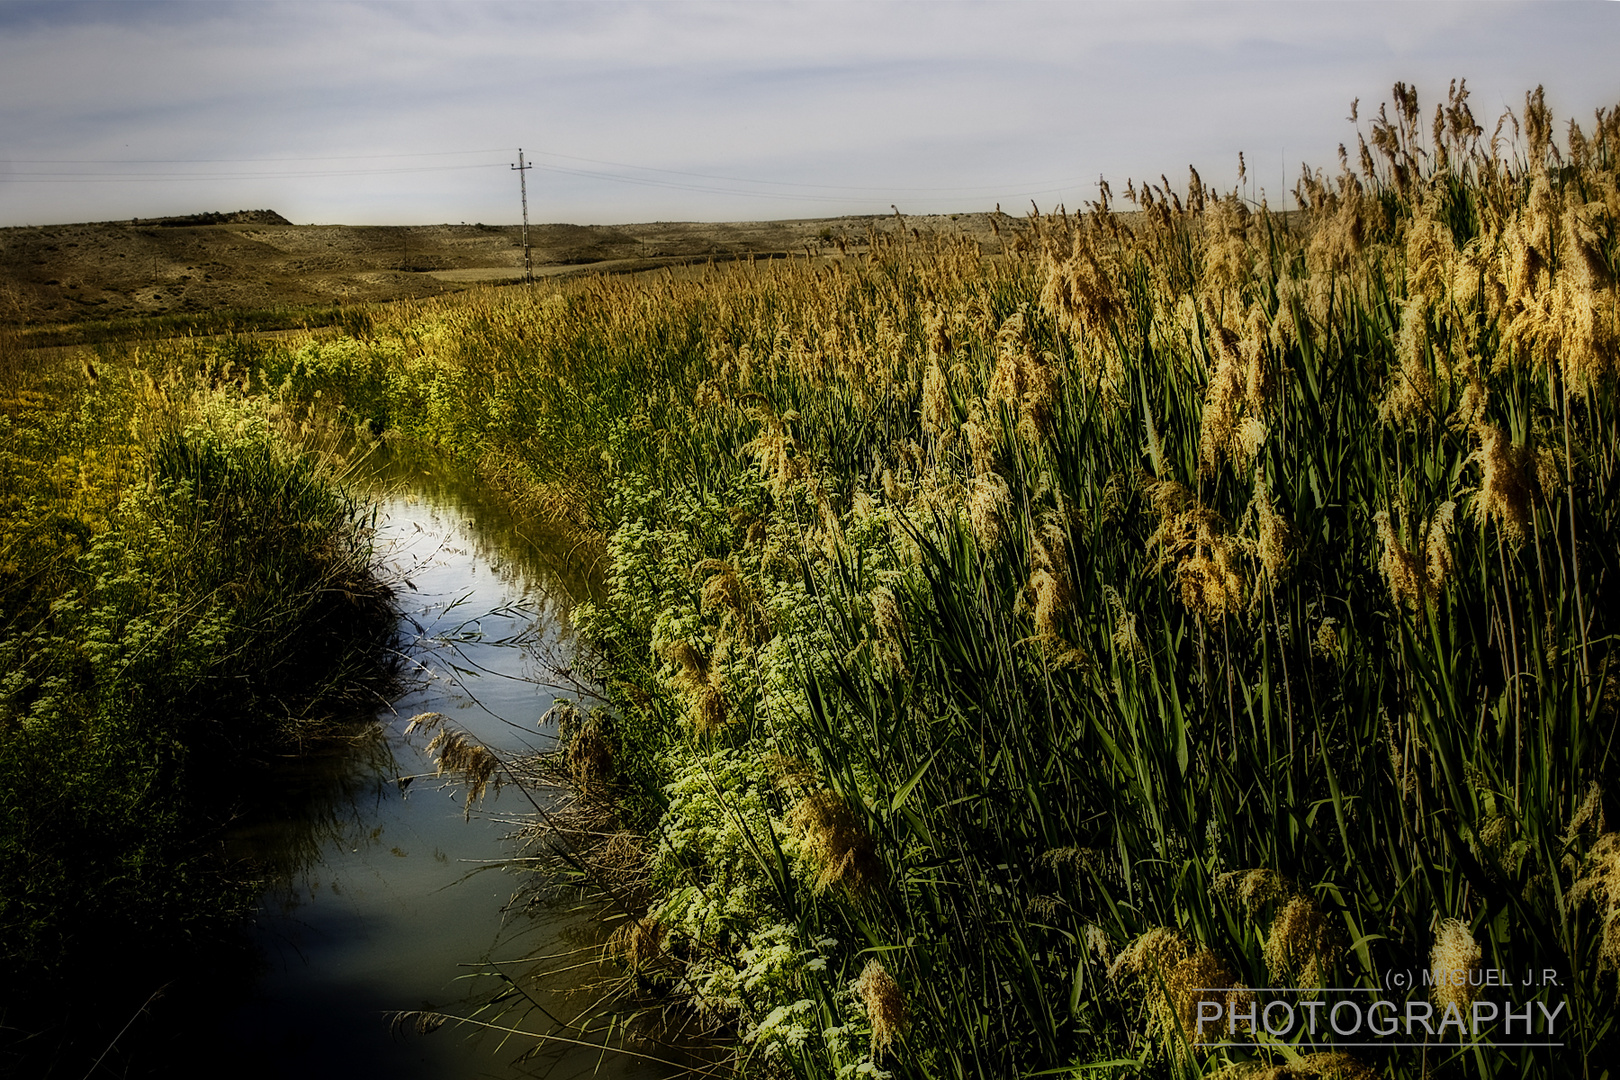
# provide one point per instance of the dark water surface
(388, 900)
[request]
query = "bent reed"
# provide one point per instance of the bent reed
(1005, 654)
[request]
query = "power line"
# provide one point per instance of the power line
(248, 161)
(797, 191)
(642, 181)
(1054, 184)
(789, 196)
(1043, 187)
(136, 177)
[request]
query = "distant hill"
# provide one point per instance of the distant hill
(235, 217)
(256, 259)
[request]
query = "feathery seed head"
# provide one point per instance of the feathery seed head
(1248, 439)
(1284, 330)
(1027, 383)
(1342, 224)
(1276, 536)
(1077, 290)
(840, 848)
(708, 710)
(723, 591)
(1098, 945)
(1328, 642)
(1588, 813)
(1175, 978)
(1584, 304)
(1223, 399)
(1254, 889)
(590, 756)
(457, 754)
(1411, 395)
(1430, 252)
(639, 942)
(1227, 256)
(1259, 378)
(1211, 582)
(1508, 476)
(1599, 883)
(981, 440)
(1302, 945)
(989, 506)
(1402, 759)
(1051, 600)
(885, 1005)
(1211, 585)
(1437, 547)
(937, 327)
(1580, 150)
(886, 613)
(691, 666)
(938, 415)
(1405, 574)
(1124, 637)
(1012, 344)
(1471, 403)
(890, 622)
(1452, 961)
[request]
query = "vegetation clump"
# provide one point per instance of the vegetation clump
(184, 593)
(971, 618)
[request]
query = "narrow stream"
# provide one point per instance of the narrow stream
(389, 901)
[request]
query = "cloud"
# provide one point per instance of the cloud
(938, 106)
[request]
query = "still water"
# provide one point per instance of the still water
(391, 895)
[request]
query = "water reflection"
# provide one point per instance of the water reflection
(388, 893)
(539, 561)
(310, 801)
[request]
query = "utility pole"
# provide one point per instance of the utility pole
(523, 188)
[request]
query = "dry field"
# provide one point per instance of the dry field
(256, 259)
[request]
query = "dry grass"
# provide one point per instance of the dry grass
(1191, 537)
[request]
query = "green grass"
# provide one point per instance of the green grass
(186, 593)
(353, 319)
(1198, 598)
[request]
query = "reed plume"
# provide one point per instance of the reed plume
(1452, 962)
(989, 505)
(1205, 554)
(1322, 1065)
(1411, 396)
(841, 850)
(1276, 536)
(1507, 482)
(1418, 574)
(1175, 978)
(937, 414)
(885, 1005)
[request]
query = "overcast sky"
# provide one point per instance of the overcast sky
(411, 113)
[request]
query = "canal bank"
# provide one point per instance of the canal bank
(391, 893)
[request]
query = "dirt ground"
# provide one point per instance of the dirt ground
(54, 274)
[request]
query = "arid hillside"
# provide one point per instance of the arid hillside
(256, 259)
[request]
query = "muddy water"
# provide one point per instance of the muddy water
(390, 897)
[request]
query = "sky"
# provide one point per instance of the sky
(413, 113)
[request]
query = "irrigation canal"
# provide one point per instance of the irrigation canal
(389, 899)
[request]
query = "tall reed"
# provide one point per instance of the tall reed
(1008, 655)
(184, 592)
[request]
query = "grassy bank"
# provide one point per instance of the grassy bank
(1008, 660)
(124, 331)
(185, 591)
